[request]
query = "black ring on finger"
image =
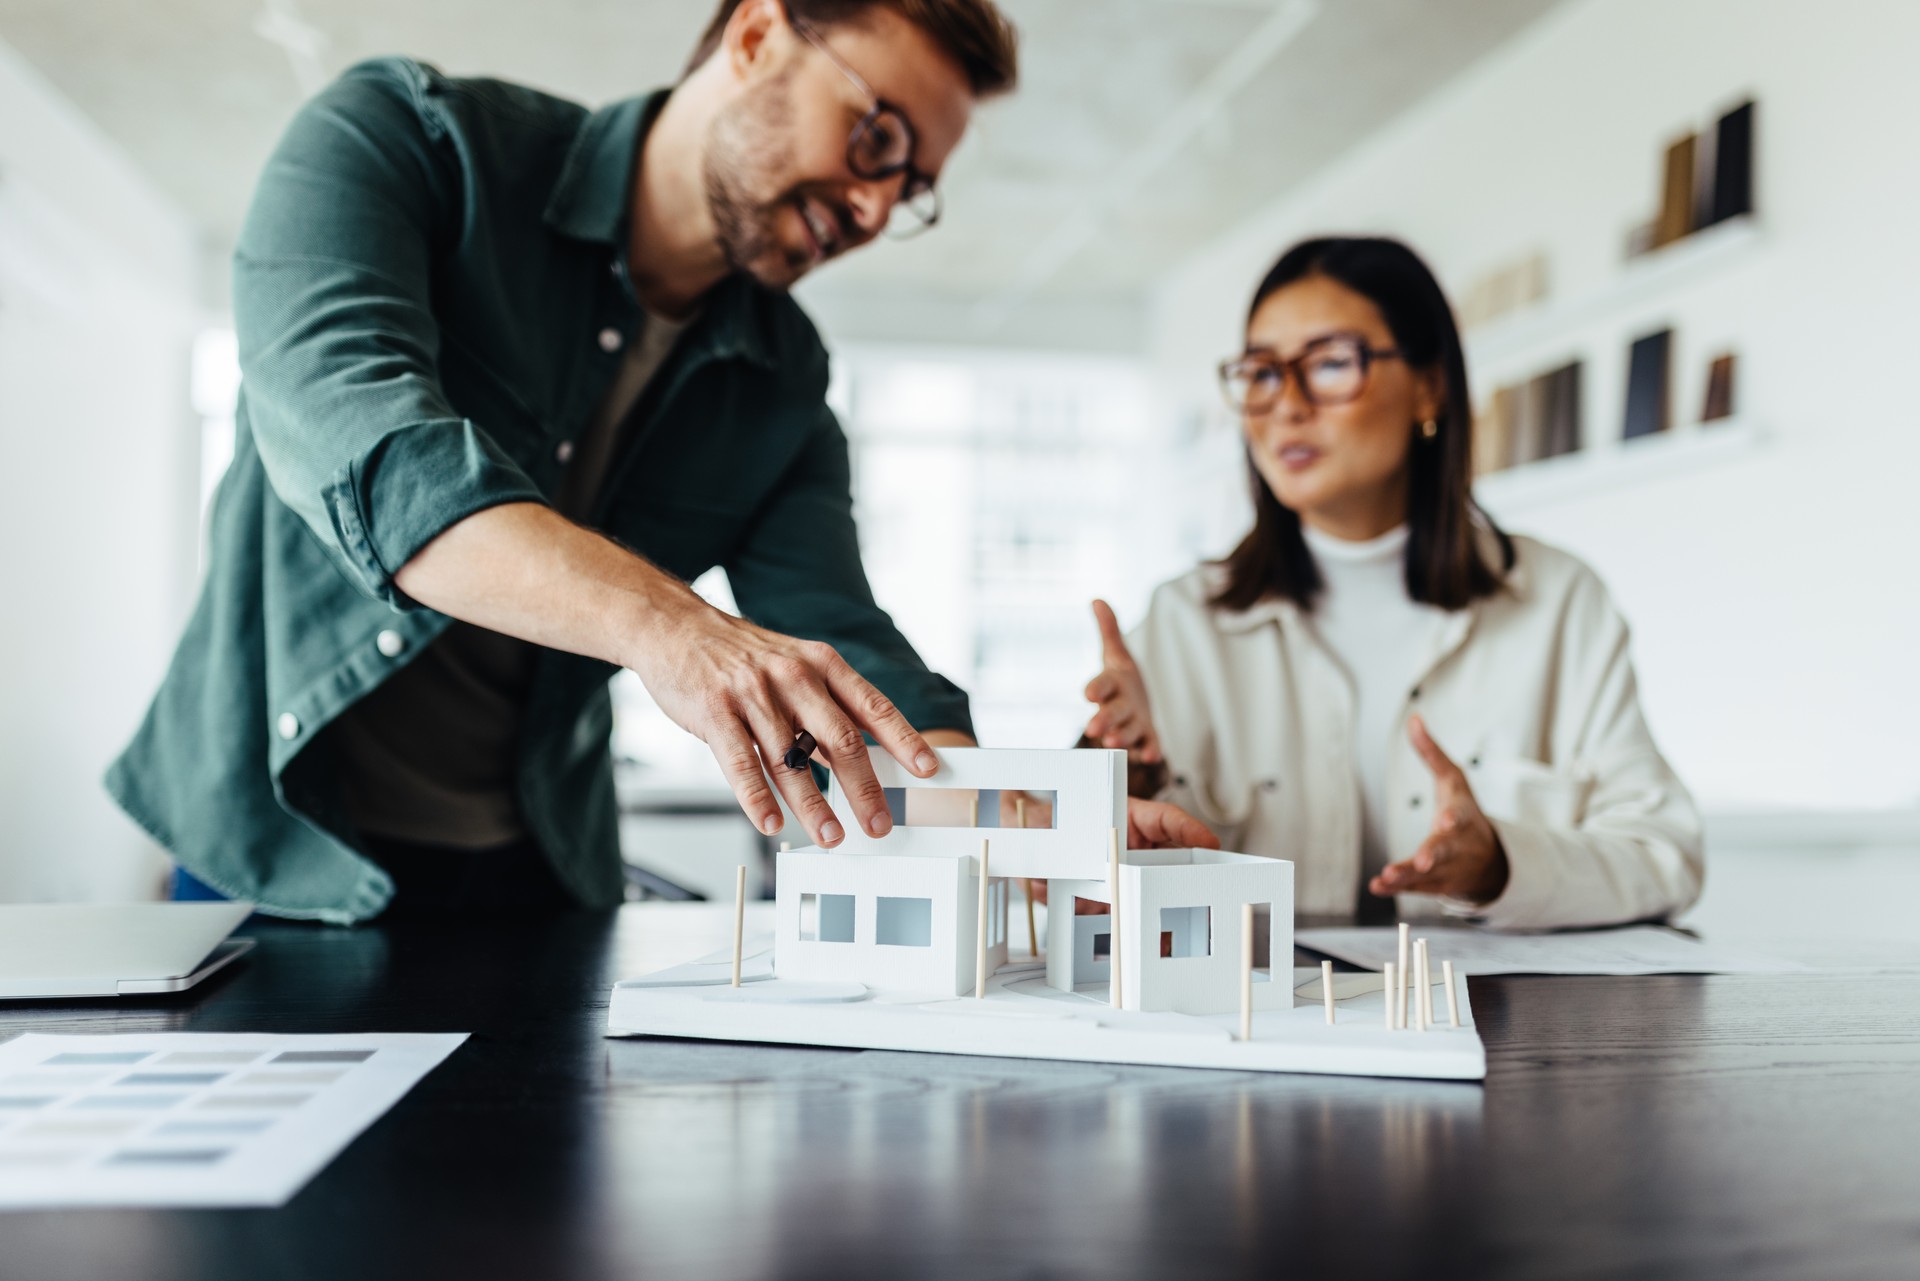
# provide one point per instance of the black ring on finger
(801, 751)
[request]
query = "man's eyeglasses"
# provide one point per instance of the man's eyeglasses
(1329, 371)
(881, 146)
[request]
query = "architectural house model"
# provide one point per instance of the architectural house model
(902, 911)
(901, 943)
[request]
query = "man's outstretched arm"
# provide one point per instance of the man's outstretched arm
(524, 570)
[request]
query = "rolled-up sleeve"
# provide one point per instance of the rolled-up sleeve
(798, 571)
(338, 344)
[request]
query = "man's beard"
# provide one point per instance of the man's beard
(745, 144)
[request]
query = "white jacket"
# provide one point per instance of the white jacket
(1530, 691)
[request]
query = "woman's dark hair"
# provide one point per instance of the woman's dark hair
(1444, 564)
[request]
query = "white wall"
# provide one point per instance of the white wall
(97, 279)
(1775, 594)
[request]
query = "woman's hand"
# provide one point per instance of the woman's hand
(1461, 857)
(1124, 719)
(1151, 825)
(1156, 825)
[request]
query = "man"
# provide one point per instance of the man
(513, 374)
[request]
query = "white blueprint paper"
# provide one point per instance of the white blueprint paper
(192, 1118)
(1634, 949)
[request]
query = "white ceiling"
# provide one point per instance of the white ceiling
(1038, 222)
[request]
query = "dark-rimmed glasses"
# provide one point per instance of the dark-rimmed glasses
(881, 146)
(1328, 371)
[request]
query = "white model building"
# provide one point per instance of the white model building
(888, 921)
(901, 912)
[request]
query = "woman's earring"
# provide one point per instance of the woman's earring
(1430, 428)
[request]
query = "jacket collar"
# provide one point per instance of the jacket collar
(591, 201)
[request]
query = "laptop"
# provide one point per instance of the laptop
(53, 950)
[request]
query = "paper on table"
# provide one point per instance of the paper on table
(1634, 949)
(191, 1118)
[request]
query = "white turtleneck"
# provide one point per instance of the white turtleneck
(1380, 636)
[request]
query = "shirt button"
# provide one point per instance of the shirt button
(288, 725)
(610, 340)
(563, 451)
(390, 643)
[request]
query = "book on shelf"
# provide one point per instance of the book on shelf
(1676, 194)
(1719, 403)
(1732, 165)
(1508, 288)
(1649, 374)
(1562, 426)
(1493, 434)
(1530, 422)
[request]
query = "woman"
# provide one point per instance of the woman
(1378, 683)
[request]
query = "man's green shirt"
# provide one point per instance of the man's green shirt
(431, 296)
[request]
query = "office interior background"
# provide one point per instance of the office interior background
(1029, 389)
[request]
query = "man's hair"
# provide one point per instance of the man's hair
(974, 33)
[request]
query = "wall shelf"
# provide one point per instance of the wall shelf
(1551, 481)
(1537, 329)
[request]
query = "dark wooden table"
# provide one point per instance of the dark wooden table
(1646, 1127)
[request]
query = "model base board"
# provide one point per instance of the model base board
(1022, 1017)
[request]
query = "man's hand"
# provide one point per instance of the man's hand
(1124, 719)
(1462, 857)
(524, 570)
(745, 692)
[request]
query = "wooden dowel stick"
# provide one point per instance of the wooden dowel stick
(1400, 993)
(1389, 992)
(980, 936)
(973, 811)
(1453, 1004)
(1246, 971)
(1425, 1003)
(1326, 986)
(1113, 916)
(1033, 931)
(739, 916)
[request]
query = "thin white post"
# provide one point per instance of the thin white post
(1113, 915)
(739, 916)
(1033, 932)
(1425, 1004)
(980, 935)
(1246, 971)
(1400, 993)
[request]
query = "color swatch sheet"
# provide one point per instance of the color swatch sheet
(190, 1118)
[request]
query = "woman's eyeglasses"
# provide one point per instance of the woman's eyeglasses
(881, 146)
(1329, 371)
